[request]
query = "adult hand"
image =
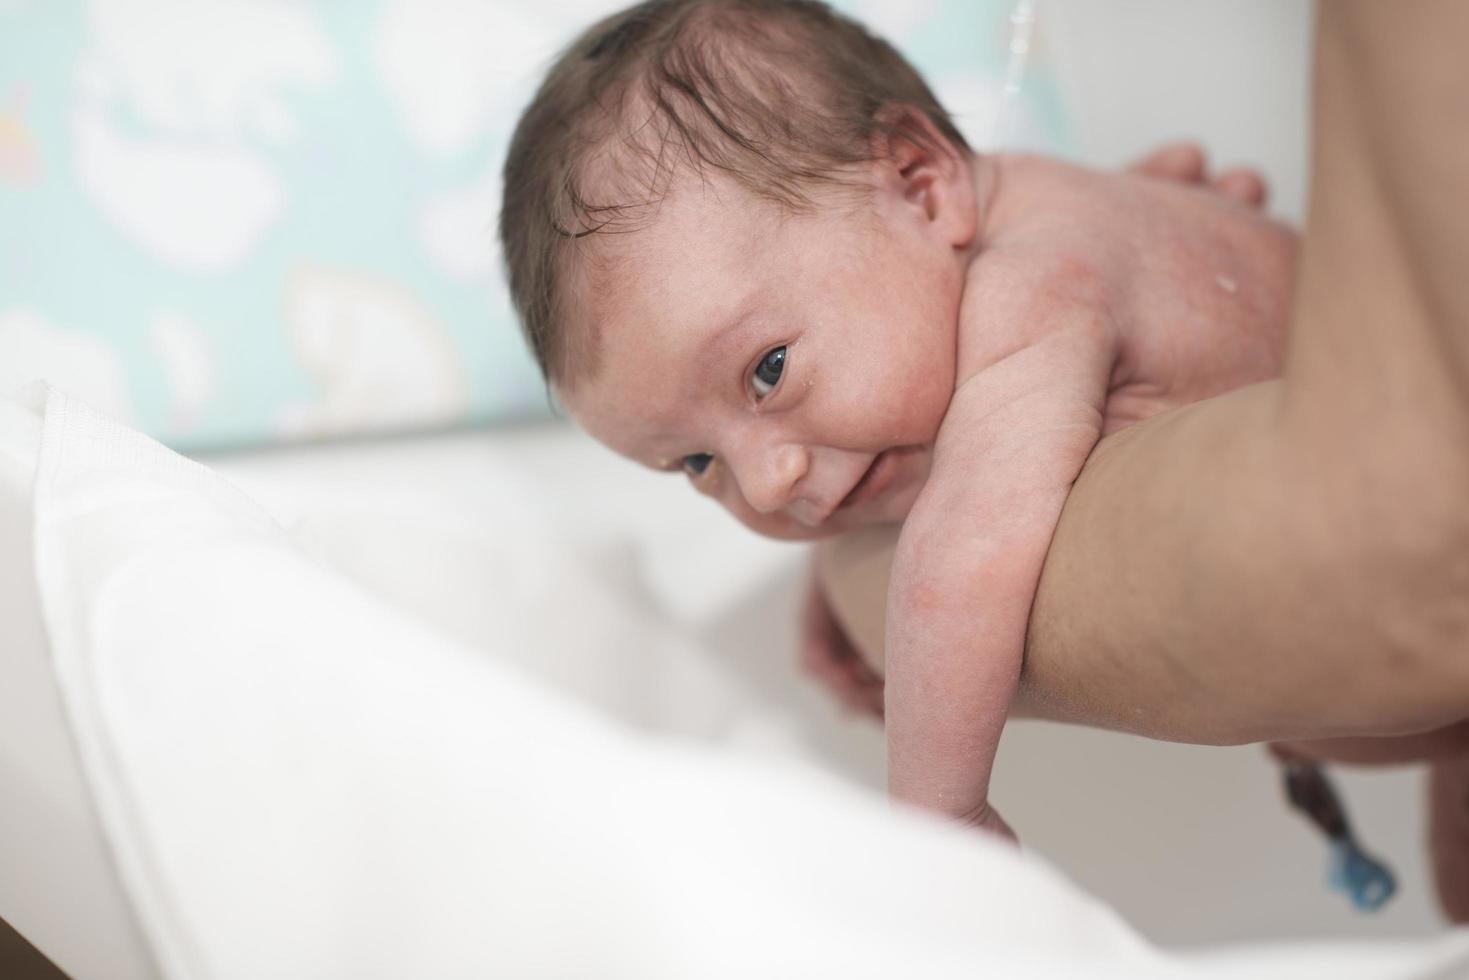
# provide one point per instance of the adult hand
(1289, 560)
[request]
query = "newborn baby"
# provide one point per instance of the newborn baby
(748, 245)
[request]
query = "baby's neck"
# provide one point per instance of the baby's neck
(1022, 194)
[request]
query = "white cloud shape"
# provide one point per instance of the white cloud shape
(194, 205)
(379, 357)
(207, 67)
(450, 66)
(75, 362)
(206, 77)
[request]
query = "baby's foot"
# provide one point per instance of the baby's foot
(1448, 834)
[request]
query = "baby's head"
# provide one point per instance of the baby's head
(736, 233)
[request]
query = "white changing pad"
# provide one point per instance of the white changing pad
(299, 781)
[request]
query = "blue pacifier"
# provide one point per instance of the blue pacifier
(1365, 880)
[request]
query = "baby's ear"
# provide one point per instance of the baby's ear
(921, 168)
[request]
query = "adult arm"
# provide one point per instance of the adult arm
(1291, 560)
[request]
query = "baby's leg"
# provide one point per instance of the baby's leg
(853, 572)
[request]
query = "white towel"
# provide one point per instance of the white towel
(301, 782)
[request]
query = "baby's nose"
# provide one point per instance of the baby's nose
(768, 477)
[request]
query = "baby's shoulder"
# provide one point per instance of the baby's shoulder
(1042, 270)
(1021, 292)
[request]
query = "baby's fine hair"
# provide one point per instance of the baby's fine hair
(779, 95)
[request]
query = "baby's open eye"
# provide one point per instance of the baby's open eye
(767, 372)
(697, 463)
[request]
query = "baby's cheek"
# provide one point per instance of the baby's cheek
(915, 406)
(900, 399)
(720, 485)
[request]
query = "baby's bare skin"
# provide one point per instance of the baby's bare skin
(943, 347)
(1344, 686)
(1093, 301)
(844, 617)
(957, 351)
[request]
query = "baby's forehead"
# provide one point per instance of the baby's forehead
(632, 397)
(653, 316)
(688, 255)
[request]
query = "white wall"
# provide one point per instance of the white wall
(1235, 75)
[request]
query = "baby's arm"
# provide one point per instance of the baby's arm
(969, 558)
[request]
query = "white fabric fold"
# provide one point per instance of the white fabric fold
(302, 782)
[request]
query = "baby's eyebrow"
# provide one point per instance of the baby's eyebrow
(731, 327)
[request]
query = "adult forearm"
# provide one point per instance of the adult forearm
(1245, 586)
(1299, 550)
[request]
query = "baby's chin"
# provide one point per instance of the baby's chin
(791, 530)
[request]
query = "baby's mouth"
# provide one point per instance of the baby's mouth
(879, 474)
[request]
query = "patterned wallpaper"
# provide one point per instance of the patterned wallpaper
(242, 221)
